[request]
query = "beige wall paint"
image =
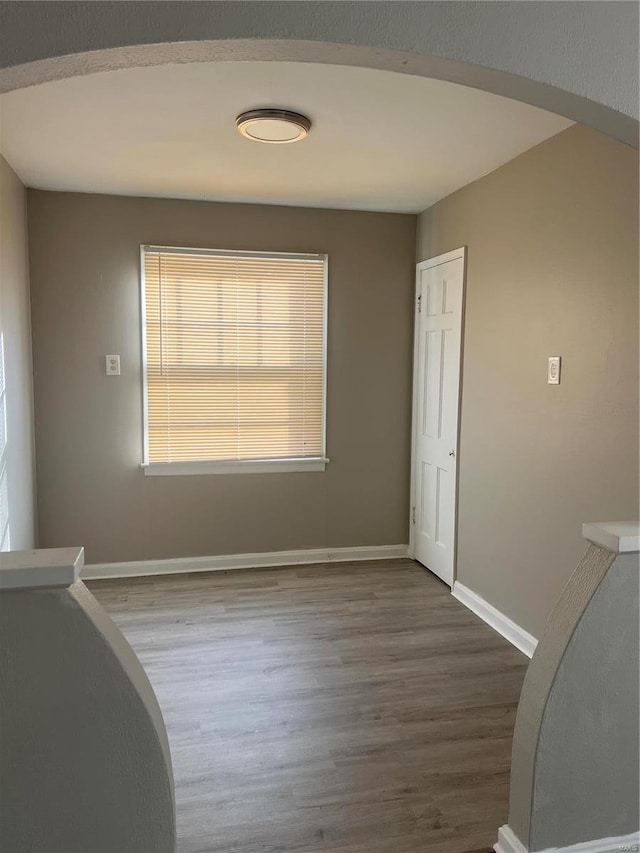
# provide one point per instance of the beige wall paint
(84, 252)
(552, 242)
(17, 472)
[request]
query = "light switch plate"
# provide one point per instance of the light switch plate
(553, 374)
(112, 365)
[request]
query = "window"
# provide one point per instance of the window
(234, 360)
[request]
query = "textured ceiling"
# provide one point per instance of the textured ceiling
(380, 140)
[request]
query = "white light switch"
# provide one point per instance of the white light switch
(112, 365)
(553, 375)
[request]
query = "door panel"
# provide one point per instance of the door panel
(440, 286)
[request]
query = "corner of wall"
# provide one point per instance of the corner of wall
(19, 524)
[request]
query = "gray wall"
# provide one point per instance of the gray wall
(529, 51)
(83, 749)
(552, 242)
(586, 782)
(539, 683)
(17, 472)
(84, 252)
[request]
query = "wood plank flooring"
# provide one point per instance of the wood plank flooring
(352, 708)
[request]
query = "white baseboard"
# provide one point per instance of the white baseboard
(142, 568)
(508, 842)
(516, 635)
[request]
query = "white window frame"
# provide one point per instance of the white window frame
(232, 466)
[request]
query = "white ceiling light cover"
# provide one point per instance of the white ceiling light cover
(274, 126)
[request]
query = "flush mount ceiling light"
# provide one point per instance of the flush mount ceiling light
(274, 126)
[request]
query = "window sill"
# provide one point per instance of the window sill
(251, 466)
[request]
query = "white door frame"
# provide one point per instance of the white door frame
(423, 265)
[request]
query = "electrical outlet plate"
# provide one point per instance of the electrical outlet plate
(112, 365)
(553, 373)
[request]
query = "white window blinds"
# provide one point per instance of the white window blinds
(234, 355)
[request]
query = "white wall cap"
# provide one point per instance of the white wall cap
(623, 537)
(40, 569)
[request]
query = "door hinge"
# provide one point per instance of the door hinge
(420, 304)
(413, 515)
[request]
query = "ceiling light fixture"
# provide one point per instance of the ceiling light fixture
(274, 126)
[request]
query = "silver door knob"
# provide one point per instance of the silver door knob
(452, 453)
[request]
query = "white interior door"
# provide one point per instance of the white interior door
(438, 335)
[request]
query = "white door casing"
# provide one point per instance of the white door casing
(436, 404)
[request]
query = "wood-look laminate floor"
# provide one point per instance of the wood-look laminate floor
(352, 708)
